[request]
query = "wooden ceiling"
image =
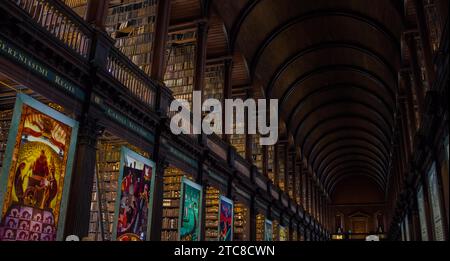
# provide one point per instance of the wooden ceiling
(333, 66)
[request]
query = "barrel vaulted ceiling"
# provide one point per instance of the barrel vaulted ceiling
(333, 66)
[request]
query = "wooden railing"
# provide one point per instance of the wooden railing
(61, 22)
(131, 76)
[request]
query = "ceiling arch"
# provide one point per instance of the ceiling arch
(333, 66)
(350, 150)
(341, 132)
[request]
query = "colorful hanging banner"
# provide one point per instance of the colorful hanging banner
(133, 213)
(35, 179)
(226, 214)
(190, 211)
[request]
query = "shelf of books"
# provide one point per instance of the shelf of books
(79, 6)
(212, 214)
(179, 76)
(132, 24)
(5, 124)
(281, 167)
(260, 223)
(238, 141)
(257, 153)
(106, 181)
(275, 230)
(290, 179)
(214, 82)
(270, 163)
(241, 224)
(171, 202)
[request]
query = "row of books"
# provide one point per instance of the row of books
(281, 167)
(214, 82)
(260, 223)
(184, 68)
(5, 124)
(188, 36)
(179, 75)
(134, 7)
(186, 82)
(240, 222)
(257, 153)
(170, 223)
(212, 213)
(238, 142)
(108, 160)
(171, 203)
(132, 24)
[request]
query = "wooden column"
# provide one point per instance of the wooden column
(298, 175)
(402, 145)
(308, 192)
(157, 209)
(406, 119)
(275, 166)
(79, 204)
(416, 72)
(265, 159)
(200, 57)
(227, 92)
(293, 176)
(160, 42)
(248, 137)
(425, 40)
(286, 168)
(96, 12)
(252, 214)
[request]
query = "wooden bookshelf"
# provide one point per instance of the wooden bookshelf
(179, 76)
(171, 202)
(240, 222)
(275, 230)
(214, 82)
(105, 185)
(79, 6)
(238, 141)
(290, 179)
(5, 124)
(132, 24)
(212, 214)
(260, 222)
(281, 167)
(106, 182)
(257, 152)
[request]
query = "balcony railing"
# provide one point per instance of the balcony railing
(131, 76)
(61, 22)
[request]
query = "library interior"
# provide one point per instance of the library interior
(86, 148)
